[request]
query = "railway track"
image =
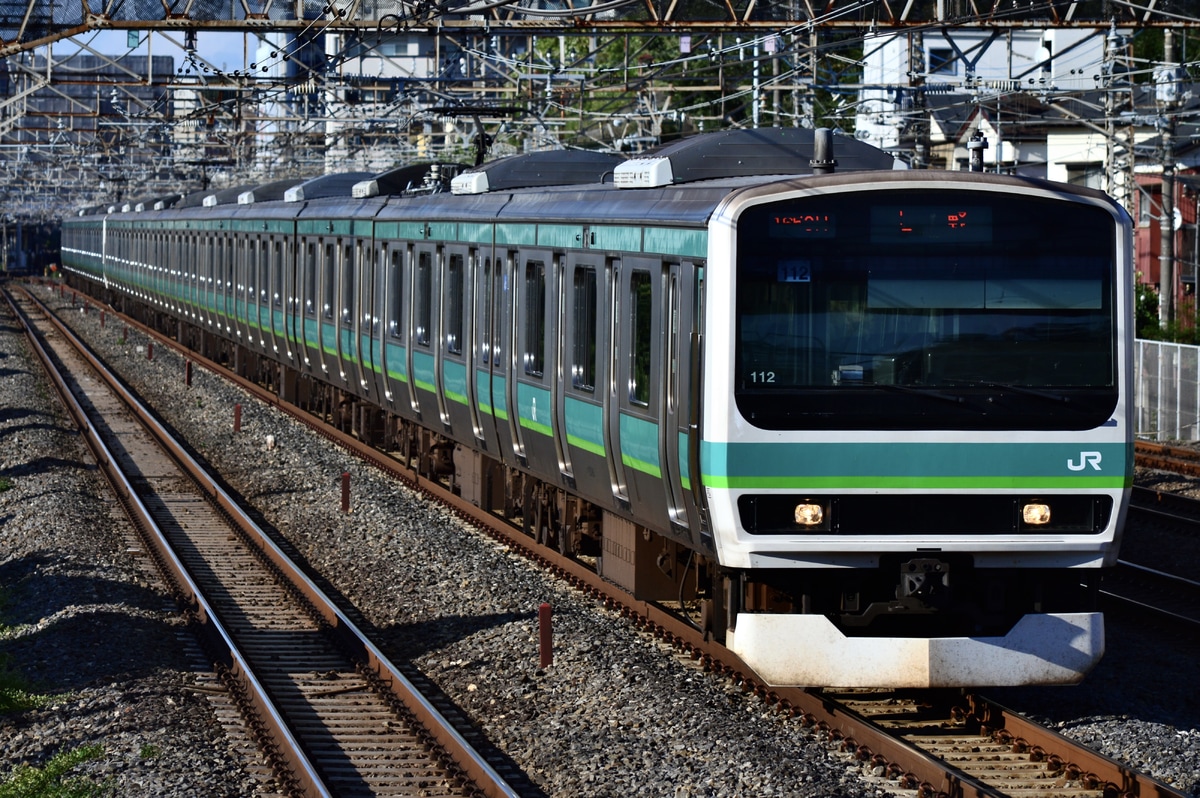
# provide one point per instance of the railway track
(331, 714)
(1178, 459)
(1174, 597)
(930, 743)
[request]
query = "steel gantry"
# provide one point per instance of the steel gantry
(366, 84)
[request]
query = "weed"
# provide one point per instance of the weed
(54, 781)
(16, 694)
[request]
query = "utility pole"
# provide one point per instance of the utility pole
(1167, 89)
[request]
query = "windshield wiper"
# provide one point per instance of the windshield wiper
(1021, 389)
(932, 393)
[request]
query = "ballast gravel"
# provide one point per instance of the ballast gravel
(616, 714)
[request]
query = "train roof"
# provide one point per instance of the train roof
(754, 152)
(538, 169)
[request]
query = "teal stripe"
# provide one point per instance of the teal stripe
(397, 367)
(454, 381)
(585, 425)
(534, 408)
(674, 241)
(639, 445)
(829, 466)
(422, 366)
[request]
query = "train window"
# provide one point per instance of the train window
(535, 318)
(310, 279)
(328, 271)
(348, 267)
(216, 258)
(264, 271)
(277, 273)
(370, 297)
(485, 318)
(423, 297)
(394, 294)
(909, 308)
(454, 305)
(583, 351)
(640, 306)
(249, 263)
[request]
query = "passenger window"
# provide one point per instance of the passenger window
(394, 294)
(583, 363)
(485, 320)
(424, 297)
(535, 318)
(310, 280)
(348, 266)
(328, 283)
(640, 337)
(277, 273)
(454, 305)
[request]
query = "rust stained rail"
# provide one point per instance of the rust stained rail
(462, 753)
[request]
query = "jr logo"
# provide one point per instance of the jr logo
(1085, 459)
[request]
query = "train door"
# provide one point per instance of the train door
(676, 415)
(309, 331)
(345, 349)
(222, 257)
(262, 294)
(395, 341)
(423, 333)
(456, 322)
(202, 246)
(491, 372)
(641, 335)
(241, 271)
(583, 398)
(367, 316)
(278, 294)
(536, 332)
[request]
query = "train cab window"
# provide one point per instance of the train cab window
(395, 293)
(909, 308)
(640, 335)
(347, 298)
(534, 308)
(454, 305)
(423, 297)
(583, 347)
(328, 284)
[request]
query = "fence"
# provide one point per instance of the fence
(1166, 382)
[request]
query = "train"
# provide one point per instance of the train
(868, 425)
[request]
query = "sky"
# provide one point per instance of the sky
(226, 52)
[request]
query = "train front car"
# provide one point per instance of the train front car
(916, 422)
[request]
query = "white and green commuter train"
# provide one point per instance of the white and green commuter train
(874, 422)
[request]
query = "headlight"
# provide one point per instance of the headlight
(809, 514)
(1035, 514)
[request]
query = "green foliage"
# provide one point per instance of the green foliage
(5, 484)
(1184, 329)
(54, 780)
(16, 694)
(1146, 313)
(150, 751)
